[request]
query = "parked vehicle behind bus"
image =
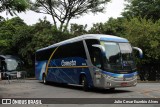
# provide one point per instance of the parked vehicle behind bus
(92, 60)
(10, 65)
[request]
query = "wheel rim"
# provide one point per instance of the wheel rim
(44, 79)
(83, 81)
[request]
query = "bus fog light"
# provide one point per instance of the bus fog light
(135, 83)
(108, 84)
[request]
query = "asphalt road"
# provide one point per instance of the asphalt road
(36, 89)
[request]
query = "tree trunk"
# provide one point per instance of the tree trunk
(61, 26)
(65, 28)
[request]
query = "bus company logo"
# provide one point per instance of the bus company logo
(6, 101)
(68, 63)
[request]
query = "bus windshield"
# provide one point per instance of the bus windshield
(126, 51)
(112, 53)
(118, 56)
(13, 64)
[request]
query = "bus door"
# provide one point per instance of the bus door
(97, 64)
(95, 59)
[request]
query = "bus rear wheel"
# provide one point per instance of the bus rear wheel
(44, 79)
(85, 83)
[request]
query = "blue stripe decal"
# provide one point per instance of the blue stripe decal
(116, 39)
(120, 75)
(40, 67)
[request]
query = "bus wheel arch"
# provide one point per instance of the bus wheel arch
(84, 82)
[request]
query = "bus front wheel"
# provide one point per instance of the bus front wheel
(85, 83)
(112, 89)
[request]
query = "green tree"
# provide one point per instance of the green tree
(8, 29)
(17, 38)
(38, 36)
(13, 6)
(78, 29)
(141, 32)
(97, 28)
(114, 26)
(65, 10)
(146, 35)
(148, 9)
(111, 27)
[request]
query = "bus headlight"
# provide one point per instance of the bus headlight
(109, 77)
(106, 76)
(135, 76)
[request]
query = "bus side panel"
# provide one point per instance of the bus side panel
(67, 75)
(68, 70)
(40, 67)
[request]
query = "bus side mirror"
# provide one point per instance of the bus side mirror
(140, 51)
(99, 46)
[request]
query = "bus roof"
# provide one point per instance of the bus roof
(8, 57)
(101, 37)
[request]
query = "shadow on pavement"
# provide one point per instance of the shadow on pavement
(94, 90)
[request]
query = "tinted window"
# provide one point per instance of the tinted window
(70, 50)
(44, 55)
(94, 52)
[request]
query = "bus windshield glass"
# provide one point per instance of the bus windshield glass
(118, 56)
(12, 64)
(126, 51)
(112, 53)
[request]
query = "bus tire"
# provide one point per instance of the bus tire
(44, 79)
(85, 83)
(112, 89)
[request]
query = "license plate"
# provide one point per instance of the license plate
(124, 84)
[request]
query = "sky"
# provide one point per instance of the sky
(113, 9)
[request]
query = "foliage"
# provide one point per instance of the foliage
(13, 6)
(142, 33)
(146, 35)
(111, 27)
(97, 28)
(115, 27)
(78, 29)
(148, 9)
(17, 38)
(8, 30)
(65, 10)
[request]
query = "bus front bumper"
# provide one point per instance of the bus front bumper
(116, 82)
(113, 83)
